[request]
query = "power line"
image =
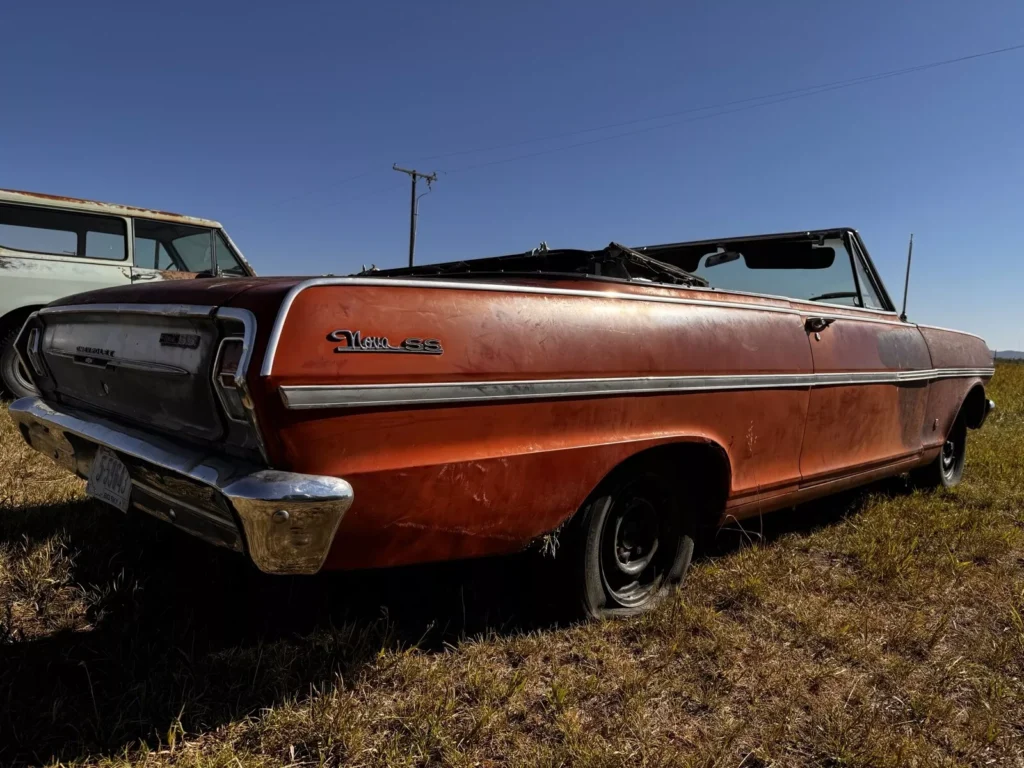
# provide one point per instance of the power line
(744, 104)
(762, 101)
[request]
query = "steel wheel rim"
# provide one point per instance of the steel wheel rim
(635, 542)
(948, 457)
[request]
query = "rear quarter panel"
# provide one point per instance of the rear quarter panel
(443, 482)
(951, 349)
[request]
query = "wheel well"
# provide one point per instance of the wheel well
(15, 319)
(702, 459)
(973, 407)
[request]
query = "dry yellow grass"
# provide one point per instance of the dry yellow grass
(883, 628)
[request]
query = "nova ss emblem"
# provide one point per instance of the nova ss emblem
(356, 342)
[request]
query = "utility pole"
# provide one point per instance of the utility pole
(431, 178)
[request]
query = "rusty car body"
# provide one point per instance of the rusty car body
(621, 401)
(53, 246)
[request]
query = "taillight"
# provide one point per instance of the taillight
(229, 377)
(229, 380)
(34, 352)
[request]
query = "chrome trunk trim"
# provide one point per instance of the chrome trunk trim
(844, 313)
(170, 310)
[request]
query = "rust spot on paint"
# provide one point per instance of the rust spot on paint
(110, 207)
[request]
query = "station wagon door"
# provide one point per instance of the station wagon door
(866, 407)
(49, 253)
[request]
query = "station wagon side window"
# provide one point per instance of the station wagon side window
(808, 270)
(151, 254)
(171, 246)
(61, 233)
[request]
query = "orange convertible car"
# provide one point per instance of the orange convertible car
(624, 399)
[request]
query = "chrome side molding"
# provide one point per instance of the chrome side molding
(310, 396)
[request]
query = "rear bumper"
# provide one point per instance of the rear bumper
(285, 521)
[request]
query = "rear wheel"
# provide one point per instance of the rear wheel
(947, 469)
(14, 379)
(629, 545)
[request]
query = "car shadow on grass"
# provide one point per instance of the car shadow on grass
(115, 631)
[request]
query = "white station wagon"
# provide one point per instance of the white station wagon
(51, 247)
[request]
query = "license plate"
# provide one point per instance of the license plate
(109, 480)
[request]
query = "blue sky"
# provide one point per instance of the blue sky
(260, 114)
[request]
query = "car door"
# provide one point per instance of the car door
(869, 396)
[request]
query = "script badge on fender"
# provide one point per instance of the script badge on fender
(356, 342)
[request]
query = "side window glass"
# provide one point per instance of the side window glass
(168, 245)
(794, 269)
(149, 254)
(145, 252)
(164, 260)
(61, 233)
(227, 262)
(104, 245)
(195, 250)
(38, 240)
(867, 291)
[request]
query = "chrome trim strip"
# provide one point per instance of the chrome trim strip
(170, 310)
(951, 330)
(248, 322)
(289, 299)
(17, 347)
(289, 519)
(119, 362)
(302, 397)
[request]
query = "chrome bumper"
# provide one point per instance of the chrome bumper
(989, 407)
(285, 521)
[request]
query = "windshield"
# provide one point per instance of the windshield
(179, 247)
(809, 268)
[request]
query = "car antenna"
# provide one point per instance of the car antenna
(906, 281)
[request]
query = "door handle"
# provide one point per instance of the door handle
(817, 324)
(144, 276)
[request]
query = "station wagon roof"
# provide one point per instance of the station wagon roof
(94, 206)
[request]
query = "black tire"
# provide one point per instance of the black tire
(630, 544)
(947, 469)
(14, 379)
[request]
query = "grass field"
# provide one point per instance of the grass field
(882, 628)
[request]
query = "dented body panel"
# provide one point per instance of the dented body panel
(472, 417)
